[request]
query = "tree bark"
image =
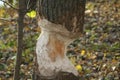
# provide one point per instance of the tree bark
(21, 13)
(61, 22)
(69, 13)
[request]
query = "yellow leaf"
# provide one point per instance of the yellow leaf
(83, 52)
(105, 54)
(27, 29)
(89, 55)
(31, 14)
(79, 67)
(114, 61)
(2, 12)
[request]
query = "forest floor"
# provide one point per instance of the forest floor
(96, 55)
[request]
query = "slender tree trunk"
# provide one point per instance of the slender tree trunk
(61, 22)
(21, 13)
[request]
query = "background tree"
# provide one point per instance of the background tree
(21, 14)
(23, 7)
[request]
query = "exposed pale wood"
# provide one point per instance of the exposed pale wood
(51, 50)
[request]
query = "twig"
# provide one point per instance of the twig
(7, 19)
(9, 4)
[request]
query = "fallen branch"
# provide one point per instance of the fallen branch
(8, 19)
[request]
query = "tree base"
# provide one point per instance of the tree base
(59, 76)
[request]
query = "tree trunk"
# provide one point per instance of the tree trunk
(21, 14)
(61, 22)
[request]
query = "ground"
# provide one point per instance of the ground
(96, 55)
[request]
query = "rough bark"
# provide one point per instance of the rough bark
(61, 22)
(69, 13)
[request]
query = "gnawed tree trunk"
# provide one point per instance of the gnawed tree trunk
(61, 22)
